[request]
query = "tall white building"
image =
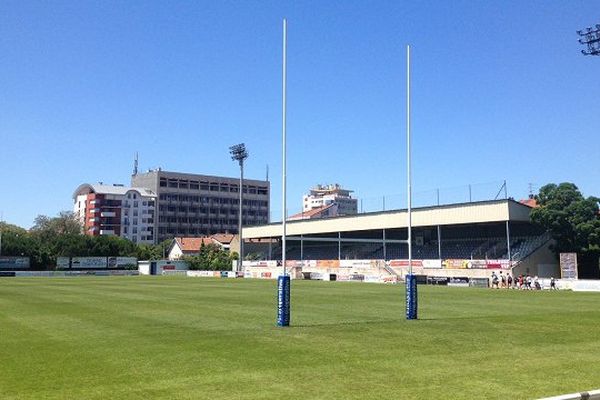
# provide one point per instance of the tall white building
(323, 195)
(116, 210)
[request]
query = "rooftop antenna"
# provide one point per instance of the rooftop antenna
(267, 173)
(135, 164)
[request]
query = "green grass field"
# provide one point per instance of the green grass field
(195, 338)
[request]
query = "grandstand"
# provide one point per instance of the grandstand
(469, 237)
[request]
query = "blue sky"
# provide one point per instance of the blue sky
(500, 91)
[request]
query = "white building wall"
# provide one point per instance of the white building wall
(175, 253)
(136, 217)
(79, 207)
(346, 205)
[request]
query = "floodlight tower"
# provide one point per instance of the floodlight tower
(239, 153)
(591, 38)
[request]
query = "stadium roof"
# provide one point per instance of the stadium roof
(452, 214)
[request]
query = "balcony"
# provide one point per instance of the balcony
(107, 214)
(107, 232)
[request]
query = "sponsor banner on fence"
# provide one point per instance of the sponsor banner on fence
(437, 280)
(454, 264)
(122, 262)
(48, 274)
(14, 262)
(316, 276)
(404, 263)
(477, 264)
(293, 264)
(568, 265)
(437, 264)
(203, 274)
(358, 264)
(328, 263)
(63, 262)
(261, 263)
(88, 262)
(494, 264)
(458, 282)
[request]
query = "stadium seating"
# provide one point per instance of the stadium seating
(456, 244)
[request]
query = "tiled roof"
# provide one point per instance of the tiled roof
(311, 213)
(192, 244)
(223, 238)
(531, 202)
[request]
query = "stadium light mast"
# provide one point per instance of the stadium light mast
(411, 280)
(283, 281)
(239, 153)
(591, 38)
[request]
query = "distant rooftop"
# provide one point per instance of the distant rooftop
(117, 189)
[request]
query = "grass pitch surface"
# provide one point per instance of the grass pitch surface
(200, 338)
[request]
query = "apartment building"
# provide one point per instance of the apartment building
(323, 195)
(116, 210)
(198, 205)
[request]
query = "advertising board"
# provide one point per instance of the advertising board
(454, 264)
(88, 262)
(434, 264)
(568, 265)
(404, 263)
(458, 281)
(63, 262)
(14, 262)
(328, 263)
(122, 262)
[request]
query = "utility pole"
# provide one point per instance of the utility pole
(239, 154)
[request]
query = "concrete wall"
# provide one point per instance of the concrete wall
(542, 263)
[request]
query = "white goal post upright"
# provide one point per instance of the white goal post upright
(411, 281)
(283, 281)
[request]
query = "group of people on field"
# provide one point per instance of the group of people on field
(522, 282)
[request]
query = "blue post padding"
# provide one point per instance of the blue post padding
(411, 297)
(283, 300)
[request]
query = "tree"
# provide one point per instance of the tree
(66, 223)
(211, 257)
(573, 221)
